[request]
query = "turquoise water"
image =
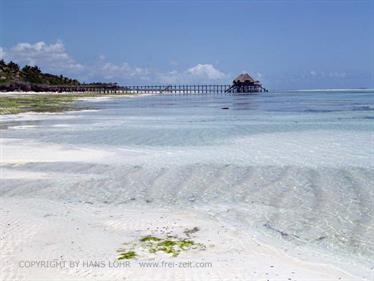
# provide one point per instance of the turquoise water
(295, 166)
(199, 120)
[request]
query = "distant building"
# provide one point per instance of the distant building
(244, 83)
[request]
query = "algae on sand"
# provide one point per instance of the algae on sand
(170, 245)
(127, 255)
(149, 238)
(36, 103)
(44, 102)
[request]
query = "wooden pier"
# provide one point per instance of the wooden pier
(107, 88)
(244, 83)
(192, 89)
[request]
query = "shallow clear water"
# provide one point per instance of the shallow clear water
(298, 166)
(199, 120)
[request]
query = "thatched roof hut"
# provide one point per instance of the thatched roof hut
(244, 83)
(245, 79)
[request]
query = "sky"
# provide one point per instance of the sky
(298, 44)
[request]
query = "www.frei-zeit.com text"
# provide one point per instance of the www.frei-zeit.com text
(59, 264)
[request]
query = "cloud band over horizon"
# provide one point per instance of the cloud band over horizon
(54, 58)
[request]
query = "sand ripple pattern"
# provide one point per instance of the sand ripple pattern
(329, 208)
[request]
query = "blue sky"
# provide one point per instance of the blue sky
(286, 44)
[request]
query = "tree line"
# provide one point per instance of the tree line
(12, 73)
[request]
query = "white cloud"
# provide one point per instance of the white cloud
(313, 73)
(206, 71)
(170, 77)
(55, 59)
(327, 75)
(195, 74)
(52, 57)
(113, 71)
(2, 53)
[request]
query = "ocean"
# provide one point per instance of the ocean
(294, 167)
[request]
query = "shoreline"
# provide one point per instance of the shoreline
(50, 102)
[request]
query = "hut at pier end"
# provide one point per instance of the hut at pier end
(244, 83)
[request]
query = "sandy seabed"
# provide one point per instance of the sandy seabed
(43, 239)
(37, 231)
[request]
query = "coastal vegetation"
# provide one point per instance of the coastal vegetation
(12, 73)
(31, 78)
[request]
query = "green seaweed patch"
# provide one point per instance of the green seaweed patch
(127, 255)
(171, 245)
(45, 102)
(186, 244)
(150, 238)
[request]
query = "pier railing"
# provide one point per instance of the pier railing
(193, 89)
(179, 89)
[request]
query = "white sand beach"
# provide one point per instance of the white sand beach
(43, 239)
(43, 230)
